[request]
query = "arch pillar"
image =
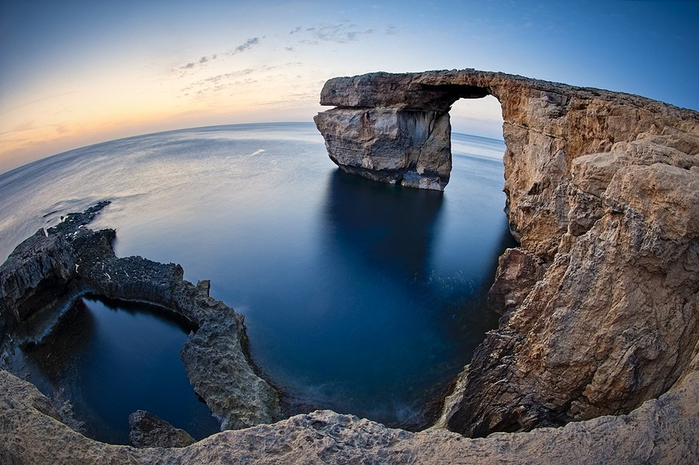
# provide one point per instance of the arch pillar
(407, 147)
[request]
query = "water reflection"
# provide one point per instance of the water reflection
(358, 296)
(393, 322)
(386, 227)
(53, 363)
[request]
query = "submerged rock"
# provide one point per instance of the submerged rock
(70, 259)
(148, 430)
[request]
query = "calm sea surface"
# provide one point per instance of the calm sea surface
(358, 296)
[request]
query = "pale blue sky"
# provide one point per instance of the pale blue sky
(79, 72)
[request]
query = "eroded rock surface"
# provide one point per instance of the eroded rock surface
(601, 302)
(51, 268)
(660, 431)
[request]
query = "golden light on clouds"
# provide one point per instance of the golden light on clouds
(119, 104)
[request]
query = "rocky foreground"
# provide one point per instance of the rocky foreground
(660, 431)
(600, 304)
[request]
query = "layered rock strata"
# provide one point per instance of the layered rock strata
(50, 269)
(601, 301)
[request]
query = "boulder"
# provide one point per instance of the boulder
(148, 430)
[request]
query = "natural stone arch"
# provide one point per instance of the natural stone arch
(614, 179)
(480, 117)
(601, 189)
(372, 132)
(392, 131)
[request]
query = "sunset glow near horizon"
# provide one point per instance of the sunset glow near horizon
(75, 73)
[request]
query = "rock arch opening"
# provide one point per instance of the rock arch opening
(477, 116)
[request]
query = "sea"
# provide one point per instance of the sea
(360, 297)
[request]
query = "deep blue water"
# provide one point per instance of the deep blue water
(111, 358)
(358, 296)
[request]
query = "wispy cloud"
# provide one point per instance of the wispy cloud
(24, 126)
(293, 99)
(237, 79)
(201, 62)
(215, 83)
(5, 110)
(340, 33)
(222, 77)
(245, 46)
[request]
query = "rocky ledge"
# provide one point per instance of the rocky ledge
(148, 430)
(46, 272)
(660, 431)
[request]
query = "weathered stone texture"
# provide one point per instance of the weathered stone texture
(408, 147)
(600, 303)
(148, 430)
(660, 431)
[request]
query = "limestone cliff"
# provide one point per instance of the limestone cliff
(660, 431)
(601, 302)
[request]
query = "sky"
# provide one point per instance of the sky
(74, 72)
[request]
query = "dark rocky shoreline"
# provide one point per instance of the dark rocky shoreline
(48, 271)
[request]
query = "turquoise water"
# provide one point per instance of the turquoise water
(358, 296)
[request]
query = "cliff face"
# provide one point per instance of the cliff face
(601, 302)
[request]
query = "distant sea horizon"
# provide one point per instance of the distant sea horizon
(166, 131)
